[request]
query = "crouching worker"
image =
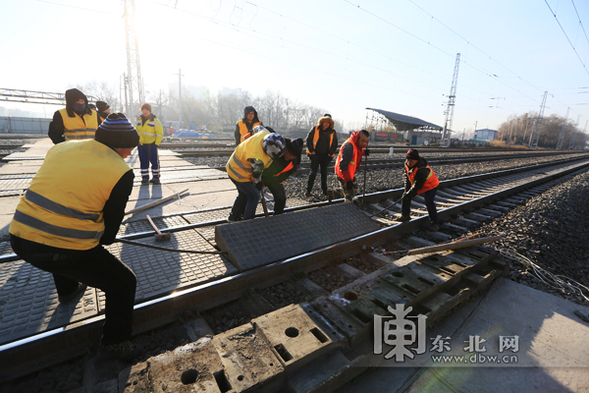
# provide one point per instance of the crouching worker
(245, 168)
(280, 169)
(348, 161)
(419, 178)
(75, 205)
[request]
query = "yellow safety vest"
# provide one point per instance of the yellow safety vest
(238, 167)
(63, 206)
(245, 133)
(77, 127)
(150, 132)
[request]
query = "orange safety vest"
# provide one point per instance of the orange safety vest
(353, 165)
(286, 169)
(245, 133)
(430, 183)
(316, 138)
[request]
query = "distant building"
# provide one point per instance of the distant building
(197, 92)
(230, 92)
(485, 134)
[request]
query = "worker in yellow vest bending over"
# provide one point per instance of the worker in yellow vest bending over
(74, 122)
(245, 168)
(75, 205)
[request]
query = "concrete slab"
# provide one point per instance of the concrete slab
(548, 358)
(248, 358)
(296, 338)
(315, 376)
(193, 367)
(247, 241)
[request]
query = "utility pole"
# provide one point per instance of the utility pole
(449, 112)
(133, 60)
(475, 130)
(562, 129)
(179, 98)
(535, 135)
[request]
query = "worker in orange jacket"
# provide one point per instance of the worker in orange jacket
(348, 161)
(419, 178)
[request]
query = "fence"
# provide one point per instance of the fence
(24, 125)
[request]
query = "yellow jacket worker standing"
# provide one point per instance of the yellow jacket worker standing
(74, 122)
(74, 205)
(151, 134)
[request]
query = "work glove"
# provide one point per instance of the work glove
(366, 152)
(259, 185)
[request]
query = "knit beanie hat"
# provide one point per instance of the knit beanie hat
(295, 147)
(117, 131)
(102, 106)
(92, 106)
(146, 106)
(412, 154)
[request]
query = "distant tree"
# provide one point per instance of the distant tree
(103, 91)
(518, 129)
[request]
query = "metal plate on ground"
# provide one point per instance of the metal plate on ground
(161, 272)
(29, 304)
(254, 243)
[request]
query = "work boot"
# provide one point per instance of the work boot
(434, 228)
(125, 351)
(74, 295)
(145, 180)
(308, 194)
(405, 218)
(155, 180)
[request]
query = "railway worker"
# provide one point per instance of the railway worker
(280, 169)
(348, 161)
(74, 122)
(321, 146)
(75, 205)
(151, 133)
(103, 109)
(244, 127)
(245, 168)
(419, 178)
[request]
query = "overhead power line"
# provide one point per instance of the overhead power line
(567, 37)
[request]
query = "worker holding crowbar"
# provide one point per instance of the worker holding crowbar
(348, 161)
(74, 206)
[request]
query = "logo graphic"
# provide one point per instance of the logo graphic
(399, 331)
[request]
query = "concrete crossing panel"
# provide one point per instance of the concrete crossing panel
(257, 242)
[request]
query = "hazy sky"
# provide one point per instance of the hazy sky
(340, 55)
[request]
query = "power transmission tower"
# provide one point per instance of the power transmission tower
(179, 98)
(449, 112)
(561, 136)
(574, 136)
(535, 135)
(133, 77)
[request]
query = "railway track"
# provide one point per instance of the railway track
(462, 203)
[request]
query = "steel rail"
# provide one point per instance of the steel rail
(369, 198)
(20, 357)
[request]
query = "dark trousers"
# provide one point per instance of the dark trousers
(246, 202)
(97, 268)
(277, 190)
(316, 161)
(429, 197)
(148, 154)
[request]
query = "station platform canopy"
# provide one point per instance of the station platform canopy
(405, 123)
